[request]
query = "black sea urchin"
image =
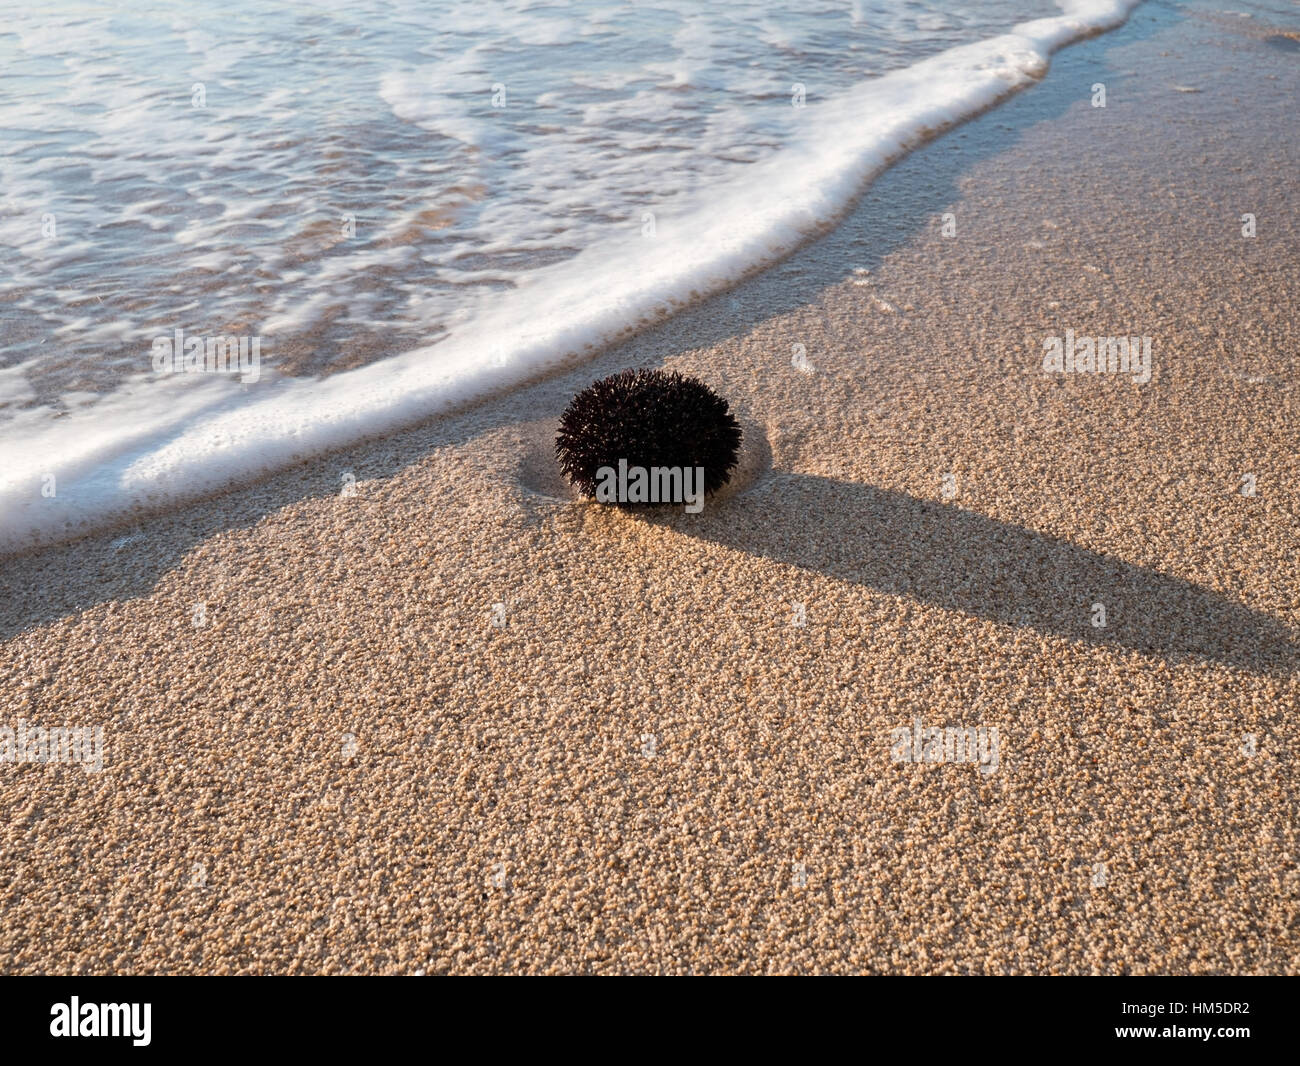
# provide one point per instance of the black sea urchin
(647, 419)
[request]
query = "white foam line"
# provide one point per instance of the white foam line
(141, 448)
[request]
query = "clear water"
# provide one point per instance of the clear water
(356, 179)
(401, 206)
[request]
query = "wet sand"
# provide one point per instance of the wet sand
(672, 748)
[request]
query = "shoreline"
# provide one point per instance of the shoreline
(209, 439)
(651, 766)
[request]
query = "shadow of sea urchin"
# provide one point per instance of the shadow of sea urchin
(649, 418)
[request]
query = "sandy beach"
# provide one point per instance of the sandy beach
(414, 708)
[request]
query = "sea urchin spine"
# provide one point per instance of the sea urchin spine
(648, 436)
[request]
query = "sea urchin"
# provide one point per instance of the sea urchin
(646, 420)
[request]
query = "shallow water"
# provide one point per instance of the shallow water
(398, 207)
(374, 173)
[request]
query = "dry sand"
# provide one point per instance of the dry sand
(649, 768)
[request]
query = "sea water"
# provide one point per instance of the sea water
(402, 205)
